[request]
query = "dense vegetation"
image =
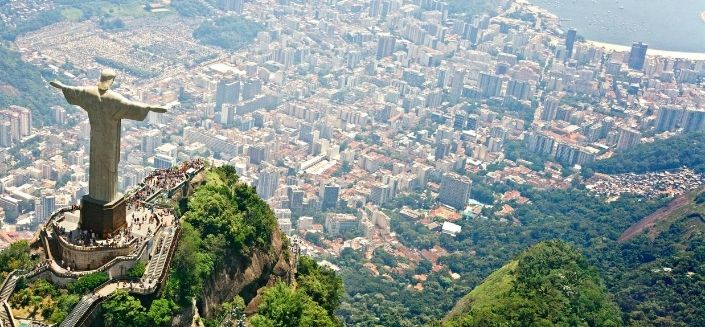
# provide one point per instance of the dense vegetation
(17, 256)
(312, 303)
(189, 8)
(109, 24)
(582, 220)
(661, 281)
(25, 85)
(42, 299)
(42, 19)
(228, 32)
(224, 218)
(125, 310)
(672, 153)
(283, 306)
(551, 284)
(320, 283)
(52, 303)
(137, 271)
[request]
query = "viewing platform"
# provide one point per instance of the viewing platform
(150, 236)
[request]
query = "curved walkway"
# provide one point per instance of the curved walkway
(148, 284)
(165, 242)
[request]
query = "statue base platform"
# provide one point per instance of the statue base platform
(103, 218)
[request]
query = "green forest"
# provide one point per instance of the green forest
(24, 84)
(228, 32)
(632, 271)
(312, 302)
(225, 221)
(686, 150)
(551, 284)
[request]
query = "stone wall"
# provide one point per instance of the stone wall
(89, 258)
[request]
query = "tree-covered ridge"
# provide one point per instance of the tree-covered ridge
(551, 284)
(312, 302)
(224, 218)
(672, 153)
(25, 85)
(575, 216)
(228, 32)
(230, 214)
(659, 281)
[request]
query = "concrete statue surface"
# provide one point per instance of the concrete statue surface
(106, 109)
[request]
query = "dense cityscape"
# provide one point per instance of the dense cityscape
(351, 116)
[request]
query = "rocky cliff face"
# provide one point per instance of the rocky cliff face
(245, 276)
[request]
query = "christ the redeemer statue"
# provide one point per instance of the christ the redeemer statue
(106, 109)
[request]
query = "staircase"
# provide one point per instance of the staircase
(7, 288)
(157, 263)
(78, 311)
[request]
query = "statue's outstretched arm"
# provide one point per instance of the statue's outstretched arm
(57, 84)
(72, 94)
(142, 106)
(133, 110)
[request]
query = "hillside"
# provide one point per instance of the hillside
(24, 85)
(657, 277)
(232, 254)
(230, 246)
(483, 296)
(675, 152)
(231, 258)
(549, 284)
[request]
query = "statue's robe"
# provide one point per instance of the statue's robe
(105, 113)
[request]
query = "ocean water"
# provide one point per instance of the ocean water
(673, 25)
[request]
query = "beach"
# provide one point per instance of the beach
(650, 52)
(671, 25)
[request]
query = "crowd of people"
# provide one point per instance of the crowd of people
(141, 214)
(165, 179)
(121, 238)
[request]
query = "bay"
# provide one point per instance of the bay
(674, 25)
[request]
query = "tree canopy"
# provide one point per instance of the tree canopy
(27, 86)
(320, 283)
(283, 306)
(125, 310)
(671, 153)
(228, 32)
(16, 256)
(223, 218)
(552, 284)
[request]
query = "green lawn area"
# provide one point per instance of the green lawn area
(132, 9)
(72, 14)
(75, 10)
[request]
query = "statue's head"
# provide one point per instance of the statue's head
(107, 76)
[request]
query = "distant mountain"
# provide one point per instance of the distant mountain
(550, 284)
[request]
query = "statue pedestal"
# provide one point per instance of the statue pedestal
(103, 218)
